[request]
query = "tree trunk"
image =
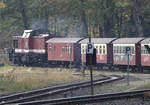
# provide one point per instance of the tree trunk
(101, 31)
(84, 23)
(138, 23)
(138, 19)
(107, 28)
(23, 13)
(108, 21)
(119, 24)
(46, 17)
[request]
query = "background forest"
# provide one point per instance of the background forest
(75, 18)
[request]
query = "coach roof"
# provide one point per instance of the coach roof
(98, 40)
(128, 40)
(146, 41)
(64, 40)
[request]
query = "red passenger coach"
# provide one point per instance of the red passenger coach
(104, 50)
(145, 56)
(64, 50)
(119, 50)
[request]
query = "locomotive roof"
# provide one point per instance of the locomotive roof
(98, 40)
(127, 40)
(146, 41)
(64, 40)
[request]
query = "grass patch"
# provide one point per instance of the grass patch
(4, 60)
(14, 78)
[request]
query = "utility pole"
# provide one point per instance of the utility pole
(128, 79)
(91, 60)
(128, 52)
(91, 74)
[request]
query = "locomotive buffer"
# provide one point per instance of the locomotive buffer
(91, 60)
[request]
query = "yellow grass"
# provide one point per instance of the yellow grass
(4, 60)
(13, 78)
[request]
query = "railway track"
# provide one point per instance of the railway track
(89, 99)
(49, 91)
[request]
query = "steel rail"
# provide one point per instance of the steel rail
(46, 94)
(89, 98)
(51, 88)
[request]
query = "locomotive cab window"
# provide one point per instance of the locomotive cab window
(15, 43)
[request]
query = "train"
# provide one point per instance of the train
(42, 47)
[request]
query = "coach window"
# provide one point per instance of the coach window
(100, 49)
(119, 51)
(96, 49)
(117, 48)
(103, 49)
(54, 47)
(50, 48)
(63, 49)
(82, 49)
(141, 49)
(70, 49)
(114, 49)
(123, 50)
(144, 50)
(132, 49)
(66, 48)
